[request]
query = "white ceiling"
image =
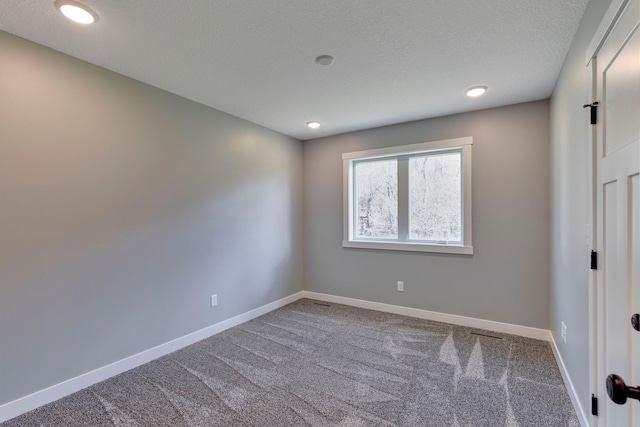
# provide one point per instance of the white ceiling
(395, 61)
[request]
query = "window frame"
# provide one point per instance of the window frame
(402, 154)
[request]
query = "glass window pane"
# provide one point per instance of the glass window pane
(435, 198)
(376, 199)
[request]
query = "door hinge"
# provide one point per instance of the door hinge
(594, 405)
(594, 111)
(594, 260)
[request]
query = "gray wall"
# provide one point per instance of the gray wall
(570, 204)
(507, 278)
(122, 208)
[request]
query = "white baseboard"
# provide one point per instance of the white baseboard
(489, 325)
(27, 403)
(580, 412)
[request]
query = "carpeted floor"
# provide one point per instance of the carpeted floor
(317, 364)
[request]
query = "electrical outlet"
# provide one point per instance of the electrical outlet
(564, 332)
(400, 286)
(214, 300)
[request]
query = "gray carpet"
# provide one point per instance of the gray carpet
(313, 364)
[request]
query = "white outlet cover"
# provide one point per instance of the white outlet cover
(214, 300)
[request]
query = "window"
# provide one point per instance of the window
(409, 198)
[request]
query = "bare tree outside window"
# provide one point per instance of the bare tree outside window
(414, 198)
(435, 197)
(376, 189)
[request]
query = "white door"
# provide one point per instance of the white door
(617, 70)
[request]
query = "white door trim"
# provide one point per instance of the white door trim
(593, 243)
(606, 25)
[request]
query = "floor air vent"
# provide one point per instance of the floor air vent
(485, 335)
(322, 304)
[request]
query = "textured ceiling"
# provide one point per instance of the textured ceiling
(395, 61)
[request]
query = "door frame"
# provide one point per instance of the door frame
(607, 24)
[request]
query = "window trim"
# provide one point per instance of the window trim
(348, 159)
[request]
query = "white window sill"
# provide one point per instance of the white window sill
(409, 247)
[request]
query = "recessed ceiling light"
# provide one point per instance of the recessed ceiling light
(313, 125)
(324, 60)
(476, 91)
(76, 12)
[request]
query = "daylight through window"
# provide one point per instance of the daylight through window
(413, 198)
(377, 199)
